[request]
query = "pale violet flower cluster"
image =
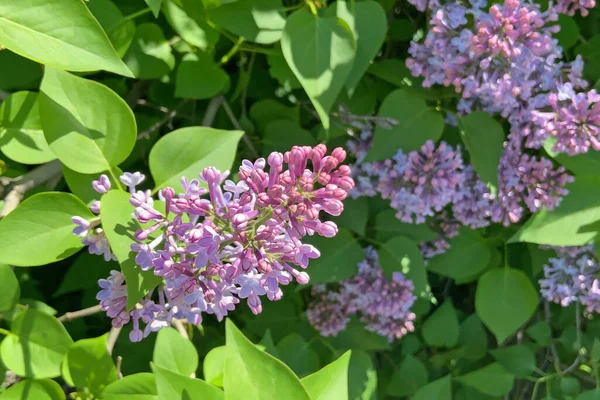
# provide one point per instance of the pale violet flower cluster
(382, 304)
(506, 61)
(220, 242)
(572, 276)
(423, 183)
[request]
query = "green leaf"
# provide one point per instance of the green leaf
(43, 389)
(568, 36)
(579, 164)
(570, 385)
(10, 291)
(331, 381)
(441, 329)
(18, 73)
(190, 24)
(474, 338)
(387, 226)
(368, 23)
(42, 222)
(81, 184)
(391, 71)
(492, 380)
(265, 111)
(187, 151)
(505, 299)
(60, 34)
(339, 259)
(214, 79)
(440, 389)
(417, 123)
(573, 223)
(89, 365)
(119, 227)
(149, 56)
(320, 51)
(400, 254)
(269, 345)
(408, 378)
(541, 333)
(518, 360)
(297, 354)
(154, 6)
(484, 138)
(355, 336)
(84, 273)
(279, 70)
(253, 374)
(362, 376)
(175, 353)
(468, 256)
(593, 394)
(140, 386)
(36, 346)
(259, 21)
(282, 134)
(355, 215)
(171, 385)
(120, 31)
(21, 135)
(74, 113)
(214, 365)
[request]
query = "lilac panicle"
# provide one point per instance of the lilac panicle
(572, 276)
(509, 64)
(228, 242)
(382, 304)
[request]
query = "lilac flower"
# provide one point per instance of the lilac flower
(425, 183)
(473, 201)
(241, 242)
(526, 179)
(132, 180)
(382, 304)
(574, 120)
(102, 185)
(569, 7)
(571, 277)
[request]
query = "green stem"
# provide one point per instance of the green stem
(255, 49)
(232, 52)
(115, 179)
(136, 14)
(5, 332)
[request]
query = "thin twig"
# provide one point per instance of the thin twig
(166, 119)
(113, 335)
(555, 357)
(80, 314)
(211, 111)
(18, 187)
(237, 126)
(136, 93)
(180, 328)
(553, 350)
(118, 366)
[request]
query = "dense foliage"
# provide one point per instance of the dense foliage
(299, 199)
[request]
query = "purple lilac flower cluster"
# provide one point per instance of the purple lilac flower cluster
(238, 243)
(572, 276)
(422, 183)
(507, 62)
(382, 304)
